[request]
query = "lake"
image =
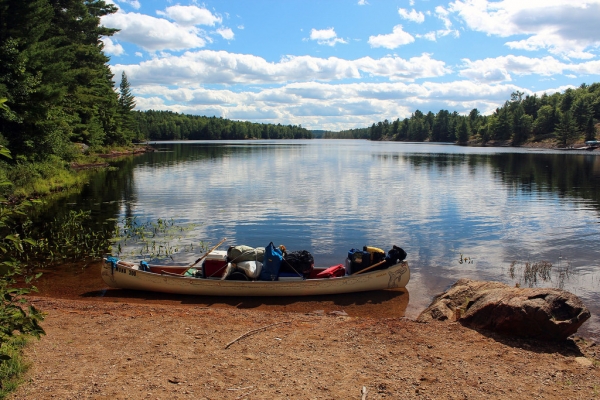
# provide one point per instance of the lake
(459, 212)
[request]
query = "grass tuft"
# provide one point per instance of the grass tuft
(12, 365)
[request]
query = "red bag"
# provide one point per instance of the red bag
(331, 272)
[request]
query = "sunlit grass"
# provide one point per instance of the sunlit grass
(12, 365)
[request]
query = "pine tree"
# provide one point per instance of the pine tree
(126, 106)
(566, 129)
(55, 76)
(590, 129)
(462, 131)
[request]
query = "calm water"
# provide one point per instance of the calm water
(457, 211)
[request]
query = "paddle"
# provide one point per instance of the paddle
(366, 269)
(204, 256)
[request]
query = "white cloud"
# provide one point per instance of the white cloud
(429, 36)
(396, 68)
(153, 34)
(413, 15)
(501, 69)
(563, 27)
(190, 15)
(397, 38)
(221, 67)
(226, 33)
(362, 2)
(112, 47)
(444, 15)
(326, 105)
(138, 54)
(325, 36)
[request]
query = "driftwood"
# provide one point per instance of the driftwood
(253, 331)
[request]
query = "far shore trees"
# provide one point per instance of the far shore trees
(568, 117)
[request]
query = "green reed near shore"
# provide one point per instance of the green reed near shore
(158, 239)
(534, 273)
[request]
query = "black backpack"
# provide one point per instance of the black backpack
(298, 262)
(394, 256)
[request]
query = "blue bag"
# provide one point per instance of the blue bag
(359, 260)
(271, 263)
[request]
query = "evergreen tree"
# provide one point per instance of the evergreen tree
(546, 120)
(126, 106)
(462, 131)
(566, 129)
(590, 129)
(440, 128)
(521, 125)
(582, 111)
(55, 76)
(503, 128)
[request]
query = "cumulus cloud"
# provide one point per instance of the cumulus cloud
(429, 36)
(501, 69)
(221, 67)
(153, 34)
(397, 38)
(190, 15)
(112, 47)
(397, 69)
(325, 36)
(563, 27)
(328, 106)
(413, 15)
(226, 33)
(444, 15)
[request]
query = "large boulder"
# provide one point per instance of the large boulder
(540, 313)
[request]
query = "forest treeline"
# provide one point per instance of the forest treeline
(55, 79)
(167, 125)
(57, 89)
(568, 117)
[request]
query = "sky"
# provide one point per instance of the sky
(342, 64)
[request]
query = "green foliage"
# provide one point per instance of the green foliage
(462, 131)
(16, 316)
(519, 120)
(72, 237)
(38, 178)
(12, 367)
(359, 133)
(590, 129)
(152, 240)
(166, 125)
(55, 77)
(126, 106)
(566, 130)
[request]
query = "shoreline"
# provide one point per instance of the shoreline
(138, 351)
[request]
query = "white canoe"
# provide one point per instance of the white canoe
(127, 276)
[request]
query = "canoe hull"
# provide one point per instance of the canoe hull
(126, 277)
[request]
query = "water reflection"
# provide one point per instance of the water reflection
(494, 206)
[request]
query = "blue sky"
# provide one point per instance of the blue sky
(340, 64)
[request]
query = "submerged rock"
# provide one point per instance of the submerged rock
(540, 313)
